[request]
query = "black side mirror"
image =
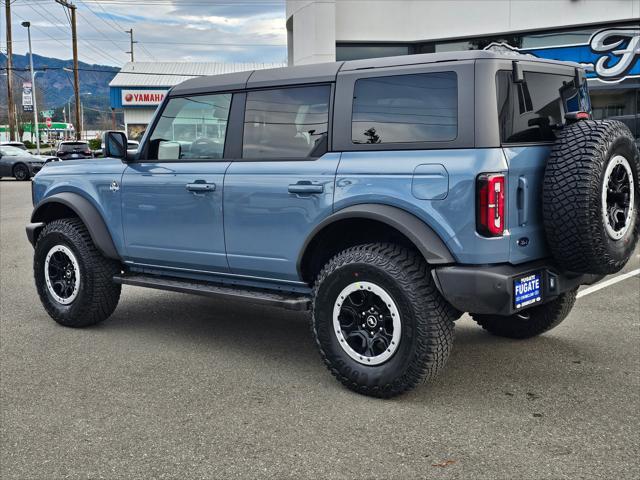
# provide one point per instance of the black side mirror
(115, 144)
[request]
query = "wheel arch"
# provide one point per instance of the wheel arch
(68, 204)
(349, 226)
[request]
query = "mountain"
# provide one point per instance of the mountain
(55, 85)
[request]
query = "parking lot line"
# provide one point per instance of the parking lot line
(607, 283)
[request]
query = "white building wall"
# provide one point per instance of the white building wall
(313, 31)
(318, 24)
(137, 116)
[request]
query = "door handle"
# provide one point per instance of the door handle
(201, 187)
(523, 201)
(306, 187)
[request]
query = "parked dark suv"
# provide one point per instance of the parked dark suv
(388, 196)
(71, 150)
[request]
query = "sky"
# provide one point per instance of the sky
(167, 30)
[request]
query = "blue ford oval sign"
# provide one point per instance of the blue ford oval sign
(613, 54)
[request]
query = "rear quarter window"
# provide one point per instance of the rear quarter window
(534, 110)
(405, 108)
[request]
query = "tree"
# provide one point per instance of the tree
(372, 136)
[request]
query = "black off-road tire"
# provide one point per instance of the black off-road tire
(531, 322)
(21, 172)
(572, 197)
(426, 318)
(97, 295)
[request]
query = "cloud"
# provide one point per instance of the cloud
(169, 32)
(214, 20)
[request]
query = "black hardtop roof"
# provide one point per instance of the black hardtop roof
(327, 72)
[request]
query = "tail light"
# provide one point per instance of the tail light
(573, 117)
(490, 204)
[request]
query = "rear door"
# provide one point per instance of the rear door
(283, 185)
(531, 114)
(172, 198)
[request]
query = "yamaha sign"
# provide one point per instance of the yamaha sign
(142, 98)
(612, 54)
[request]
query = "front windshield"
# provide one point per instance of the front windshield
(10, 151)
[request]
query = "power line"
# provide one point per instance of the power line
(153, 42)
(116, 72)
(119, 30)
(203, 3)
(99, 31)
(113, 25)
(147, 52)
(118, 26)
(87, 44)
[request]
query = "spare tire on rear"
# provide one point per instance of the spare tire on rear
(591, 197)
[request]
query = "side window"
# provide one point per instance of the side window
(405, 108)
(191, 128)
(9, 151)
(286, 122)
(533, 111)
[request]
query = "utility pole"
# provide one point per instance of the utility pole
(76, 76)
(130, 32)
(27, 25)
(10, 105)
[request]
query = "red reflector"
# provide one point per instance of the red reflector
(575, 116)
(490, 204)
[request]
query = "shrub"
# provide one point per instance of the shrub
(95, 143)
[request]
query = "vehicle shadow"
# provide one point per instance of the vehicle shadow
(273, 338)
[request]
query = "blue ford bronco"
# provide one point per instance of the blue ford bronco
(387, 196)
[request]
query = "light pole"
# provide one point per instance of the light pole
(27, 25)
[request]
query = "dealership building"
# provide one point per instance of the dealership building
(140, 87)
(602, 34)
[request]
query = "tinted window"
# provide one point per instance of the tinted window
(406, 108)
(533, 111)
(191, 128)
(71, 146)
(357, 52)
(286, 122)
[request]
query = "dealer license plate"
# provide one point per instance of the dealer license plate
(527, 290)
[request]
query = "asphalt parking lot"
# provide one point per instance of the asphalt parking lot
(175, 386)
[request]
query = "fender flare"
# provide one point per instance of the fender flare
(426, 240)
(89, 215)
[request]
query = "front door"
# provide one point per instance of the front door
(283, 185)
(172, 198)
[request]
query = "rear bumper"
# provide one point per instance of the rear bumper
(489, 289)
